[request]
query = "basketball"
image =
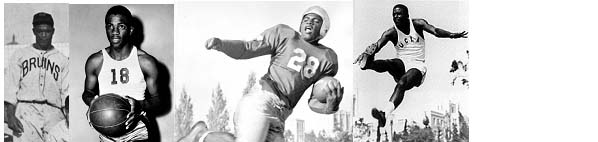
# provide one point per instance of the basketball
(108, 113)
(320, 91)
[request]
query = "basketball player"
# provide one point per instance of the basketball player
(125, 70)
(36, 84)
(408, 69)
(298, 60)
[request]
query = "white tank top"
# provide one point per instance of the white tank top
(124, 78)
(410, 46)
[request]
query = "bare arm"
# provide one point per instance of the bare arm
(150, 72)
(92, 66)
(388, 35)
(438, 32)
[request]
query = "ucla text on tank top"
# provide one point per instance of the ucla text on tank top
(410, 46)
(124, 78)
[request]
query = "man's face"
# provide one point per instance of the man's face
(399, 15)
(43, 34)
(117, 30)
(310, 27)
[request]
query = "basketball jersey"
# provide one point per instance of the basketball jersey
(410, 46)
(124, 78)
(295, 64)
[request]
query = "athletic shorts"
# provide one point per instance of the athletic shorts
(138, 133)
(261, 104)
(415, 64)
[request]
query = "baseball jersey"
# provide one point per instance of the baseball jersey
(295, 64)
(123, 77)
(410, 46)
(37, 75)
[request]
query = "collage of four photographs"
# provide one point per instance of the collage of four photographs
(298, 71)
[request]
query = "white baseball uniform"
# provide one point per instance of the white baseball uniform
(37, 83)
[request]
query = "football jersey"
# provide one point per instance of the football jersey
(123, 77)
(295, 64)
(410, 46)
(37, 75)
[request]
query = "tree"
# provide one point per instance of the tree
(183, 115)
(288, 136)
(218, 114)
(310, 137)
(459, 71)
(464, 130)
(455, 134)
(250, 83)
(343, 137)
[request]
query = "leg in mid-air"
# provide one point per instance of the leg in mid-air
(396, 69)
(260, 117)
(249, 125)
(409, 80)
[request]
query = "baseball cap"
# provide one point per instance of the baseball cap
(42, 18)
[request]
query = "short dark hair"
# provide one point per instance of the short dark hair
(402, 7)
(119, 10)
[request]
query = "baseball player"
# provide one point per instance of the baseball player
(36, 84)
(125, 70)
(298, 60)
(408, 69)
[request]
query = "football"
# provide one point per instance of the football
(320, 90)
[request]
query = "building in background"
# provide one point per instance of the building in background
(342, 121)
(300, 130)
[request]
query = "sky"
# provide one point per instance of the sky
(374, 89)
(198, 21)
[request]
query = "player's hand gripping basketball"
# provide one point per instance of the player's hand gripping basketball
(213, 43)
(135, 112)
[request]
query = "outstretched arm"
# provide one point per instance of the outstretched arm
(388, 35)
(438, 32)
(94, 62)
(265, 44)
(239, 49)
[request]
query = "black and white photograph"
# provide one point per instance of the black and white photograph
(245, 71)
(122, 64)
(36, 70)
(410, 71)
